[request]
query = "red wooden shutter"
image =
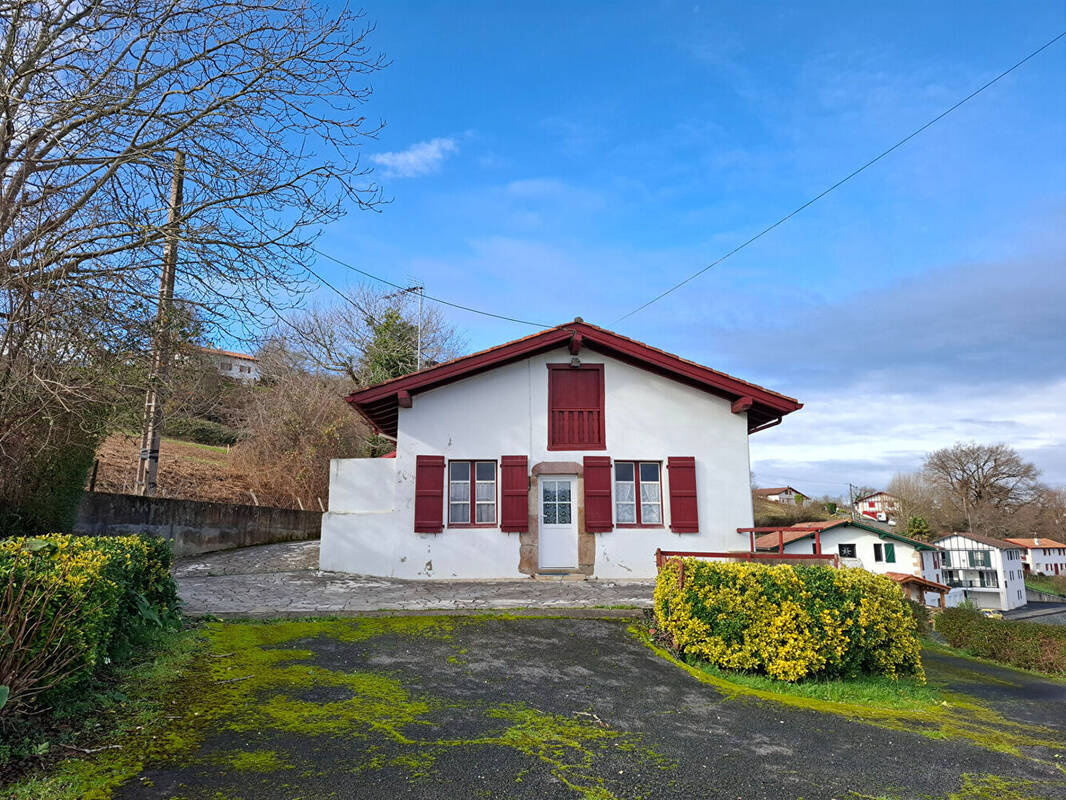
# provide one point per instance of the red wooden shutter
(575, 407)
(598, 516)
(429, 494)
(514, 499)
(684, 511)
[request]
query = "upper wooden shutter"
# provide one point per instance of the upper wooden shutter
(514, 499)
(598, 511)
(429, 494)
(575, 407)
(684, 510)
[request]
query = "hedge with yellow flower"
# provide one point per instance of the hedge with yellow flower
(788, 622)
(71, 604)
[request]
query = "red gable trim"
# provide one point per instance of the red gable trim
(379, 403)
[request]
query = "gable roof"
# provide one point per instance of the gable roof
(875, 494)
(380, 403)
(999, 544)
(903, 578)
(778, 490)
(1030, 544)
(769, 541)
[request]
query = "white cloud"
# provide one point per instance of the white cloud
(422, 158)
(864, 435)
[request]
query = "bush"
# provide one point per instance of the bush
(201, 431)
(70, 604)
(787, 622)
(1020, 644)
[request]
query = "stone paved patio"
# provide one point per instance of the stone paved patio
(282, 580)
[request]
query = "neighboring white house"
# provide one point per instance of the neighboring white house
(782, 494)
(238, 366)
(913, 564)
(1042, 556)
(574, 450)
(990, 571)
(881, 506)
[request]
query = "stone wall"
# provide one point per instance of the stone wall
(193, 526)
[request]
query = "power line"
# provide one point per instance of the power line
(428, 297)
(843, 180)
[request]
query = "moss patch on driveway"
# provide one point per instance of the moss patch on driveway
(441, 707)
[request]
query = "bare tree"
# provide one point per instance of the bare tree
(982, 485)
(265, 99)
(294, 423)
(337, 336)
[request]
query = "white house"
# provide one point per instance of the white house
(915, 565)
(1042, 556)
(785, 495)
(571, 451)
(238, 366)
(989, 570)
(879, 505)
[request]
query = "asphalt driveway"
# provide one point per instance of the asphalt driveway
(479, 707)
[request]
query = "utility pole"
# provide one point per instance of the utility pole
(148, 467)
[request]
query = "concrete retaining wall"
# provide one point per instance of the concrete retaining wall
(1033, 596)
(193, 526)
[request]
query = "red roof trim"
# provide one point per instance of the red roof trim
(378, 403)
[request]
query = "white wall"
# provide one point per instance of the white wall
(907, 560)
(504, 412)
(1043, 560)
(1007, 564)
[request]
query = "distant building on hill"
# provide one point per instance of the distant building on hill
(881, 506)
(238, 366)
(1042, 556)
(785, 495)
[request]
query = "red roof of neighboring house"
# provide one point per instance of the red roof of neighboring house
(1041, 541)
(875, 494)
(379, 403)
(769, 541)
(901, 578)
(229, 353)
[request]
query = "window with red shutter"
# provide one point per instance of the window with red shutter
(514, 498)
(598, 494)
(684, 510)
(575, 407)
(429, 494)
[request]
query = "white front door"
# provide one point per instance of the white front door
(558, 522)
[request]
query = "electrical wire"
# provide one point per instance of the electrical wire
(427, 297)
(843, 180)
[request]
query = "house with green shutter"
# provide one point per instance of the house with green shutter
(574, 451)
(868, 545)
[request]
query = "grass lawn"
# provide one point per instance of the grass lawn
(1049, 584)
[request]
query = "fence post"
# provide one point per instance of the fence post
(658, 559)
(92, 478)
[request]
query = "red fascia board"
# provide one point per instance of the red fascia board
(769, 403)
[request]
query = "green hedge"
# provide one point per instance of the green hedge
(201, 431)
(787, 622)
(72, 604)
(1020, 644)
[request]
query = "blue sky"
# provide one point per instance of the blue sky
(552, 160)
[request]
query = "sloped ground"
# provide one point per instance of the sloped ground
(439, 707)
(187, 470)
